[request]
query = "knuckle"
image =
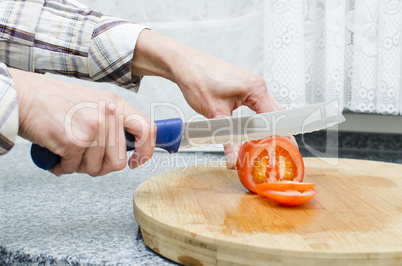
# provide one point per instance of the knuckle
(257, 82)
(68, 170)
(93, 125)
(216, 111)
(113, 101)
(94, 170)
(93, 173)
(118, 165)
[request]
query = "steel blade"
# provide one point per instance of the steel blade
(282, 123)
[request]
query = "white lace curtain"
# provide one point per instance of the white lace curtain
(307, 50)
(321, 50)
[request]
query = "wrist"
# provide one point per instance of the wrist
(158, 55)
(153, 56)
(22, 82)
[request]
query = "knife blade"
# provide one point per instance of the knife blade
(174, 134)
(245, 128)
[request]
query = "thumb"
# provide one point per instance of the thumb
(232, 154)
(231, 150)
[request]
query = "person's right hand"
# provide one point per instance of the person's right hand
(212, 87)
(83, 125)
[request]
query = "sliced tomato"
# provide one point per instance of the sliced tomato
(290, 197)
(284, 186)
(268, 160)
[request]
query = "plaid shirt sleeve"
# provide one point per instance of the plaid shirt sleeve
(65, 37)
(8, 111)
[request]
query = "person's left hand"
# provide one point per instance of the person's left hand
(83, 125)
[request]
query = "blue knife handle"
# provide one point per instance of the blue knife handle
(168, 137)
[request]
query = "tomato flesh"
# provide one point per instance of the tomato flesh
(280, 167)
(269, 160)
(290, 197)
(285, 168)
(284, 186)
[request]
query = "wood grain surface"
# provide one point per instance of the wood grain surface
(202, 215)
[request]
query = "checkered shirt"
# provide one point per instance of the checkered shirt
(62, 37)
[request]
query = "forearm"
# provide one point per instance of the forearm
(158, 55)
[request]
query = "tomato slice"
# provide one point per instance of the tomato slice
(268, 160)
(284, 186)
(290, 197)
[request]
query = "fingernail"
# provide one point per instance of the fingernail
(133, 161)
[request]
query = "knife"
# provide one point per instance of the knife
(174, 134)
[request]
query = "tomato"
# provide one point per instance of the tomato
(268, 160)
(290, 197)
(284, 186)
(273, 167)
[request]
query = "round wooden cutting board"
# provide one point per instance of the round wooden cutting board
(202, 215)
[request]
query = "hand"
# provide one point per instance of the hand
(211, 86)
(215, 89)
(83, 125)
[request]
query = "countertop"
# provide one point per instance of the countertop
(75, 219)
(78, 219)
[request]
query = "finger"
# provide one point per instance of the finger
(69, 163)
(232, 154)
(259, 99)
(231, 150)
(263, 104)
(144, 131)
(92, 160)
(115, 151)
